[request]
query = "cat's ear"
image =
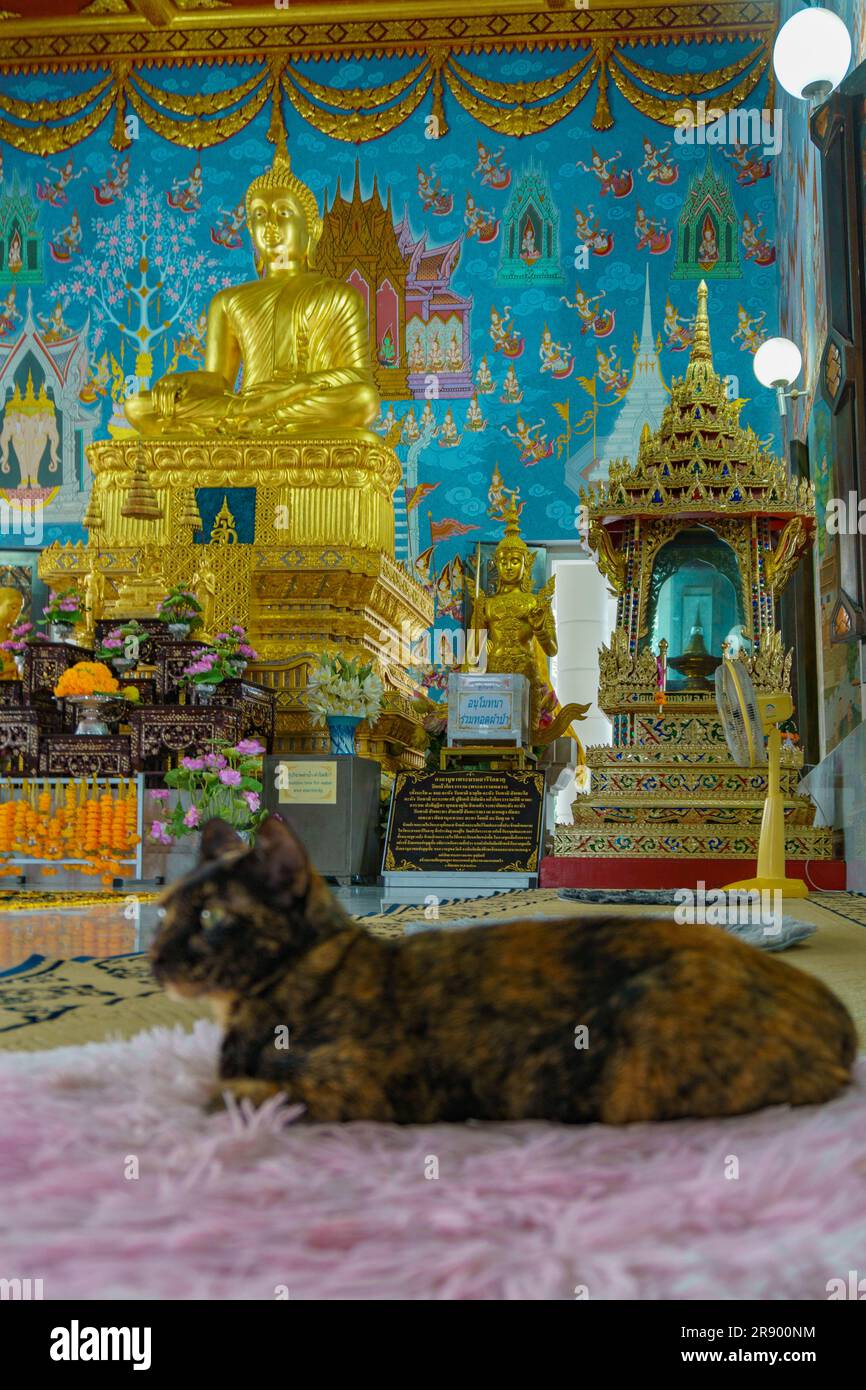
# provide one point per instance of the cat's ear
(219, 838)
(284, 859)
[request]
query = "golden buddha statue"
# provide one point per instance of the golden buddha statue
(521, 632)
(300, 336)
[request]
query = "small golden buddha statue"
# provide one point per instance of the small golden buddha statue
(300, 336)
(11, 603)
(521, 631)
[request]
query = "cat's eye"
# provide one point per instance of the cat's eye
(211, 919)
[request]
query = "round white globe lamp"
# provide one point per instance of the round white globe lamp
(812, 53)
(778, 362)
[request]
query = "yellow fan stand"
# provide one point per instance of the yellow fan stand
(771, 710)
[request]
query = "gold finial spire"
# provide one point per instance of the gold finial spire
(701, 349)
(512, 523)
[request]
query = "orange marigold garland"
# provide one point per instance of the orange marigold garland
(94, 825)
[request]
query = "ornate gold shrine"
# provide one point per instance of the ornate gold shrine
(297, 586)
(667, 786)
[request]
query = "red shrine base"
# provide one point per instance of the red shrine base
(819, 874)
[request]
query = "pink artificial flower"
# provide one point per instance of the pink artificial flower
(214, 761)
(253, 800)
(158, 795)
(22, 629)
(239, 631)
(159, 833)
(249, 652)
(230, 777)
(249, 748)
(192, 818)
(192, 764)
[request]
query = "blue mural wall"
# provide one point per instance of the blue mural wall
(538, 256)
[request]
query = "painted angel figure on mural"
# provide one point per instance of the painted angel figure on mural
(9, 314)
(228, 231)
(454, 355)
(449, 437)
(500, 497)
(428, 422)
(750, 164)
(98, 380)
(651, 235)
(475, 421)
(605, 170)
(484, 382)
(53, 326)
(656, 166)
(529, 250)
(601, 323)
(490, 166)
(435, 358)
(410, 430)
(611, 371)
(185, 195)
(191, 344)
(678, 332)
(430, 191)
(387, 421)
(113, 184)
(417, 356)
(534, 446)
(755, 243)
(68, 243)
(512, 391)
(555, 359)
(505, 336)
(589, 232)
(479, 222)
(708, 251)
(54, 192)
(749, 333)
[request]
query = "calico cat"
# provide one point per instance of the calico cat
(484, 1023)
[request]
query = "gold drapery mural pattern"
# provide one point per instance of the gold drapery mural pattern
(360, 114)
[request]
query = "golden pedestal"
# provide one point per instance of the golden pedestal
(314, 572)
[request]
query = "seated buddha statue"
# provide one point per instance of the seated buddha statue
(300, 337)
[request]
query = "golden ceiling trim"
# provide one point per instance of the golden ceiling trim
(359, 29)
(360, 114)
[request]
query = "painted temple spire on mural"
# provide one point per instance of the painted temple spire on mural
(641, 407)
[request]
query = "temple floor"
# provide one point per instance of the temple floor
(79, 972)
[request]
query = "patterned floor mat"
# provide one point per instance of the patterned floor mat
(51, 1002)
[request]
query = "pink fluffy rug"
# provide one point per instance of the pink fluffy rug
(238, 1205)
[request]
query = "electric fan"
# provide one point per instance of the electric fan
(746, 719)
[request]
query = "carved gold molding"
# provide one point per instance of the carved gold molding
(128, 45)
(171, 31)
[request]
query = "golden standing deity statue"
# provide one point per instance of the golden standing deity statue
(299, 336)
(521, 632)
(11, 603)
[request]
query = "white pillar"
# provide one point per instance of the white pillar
(585, 618)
